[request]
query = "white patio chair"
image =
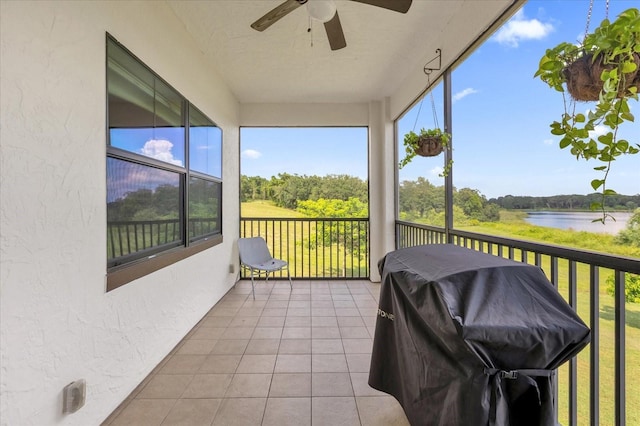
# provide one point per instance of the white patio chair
(255, 256)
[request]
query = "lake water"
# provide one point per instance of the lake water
(579, 221)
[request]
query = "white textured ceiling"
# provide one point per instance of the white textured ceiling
(385, 54)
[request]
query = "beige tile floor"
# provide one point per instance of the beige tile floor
(289, 357)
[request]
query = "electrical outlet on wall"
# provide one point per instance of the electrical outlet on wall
(232, 268)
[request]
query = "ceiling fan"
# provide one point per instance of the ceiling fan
(325, 11)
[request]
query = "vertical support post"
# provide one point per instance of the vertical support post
(553, 260)
(619, 324)
(448, 157)
(594, 316)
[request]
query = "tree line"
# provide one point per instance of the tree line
(286, 190)
(418, 199)
(163, 203)
(567, 202)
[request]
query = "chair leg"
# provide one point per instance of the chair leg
(289, 276)
(253, 290)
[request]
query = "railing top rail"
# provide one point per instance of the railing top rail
(421, 226)
(303, 219)
(140, 222)
(621, 263)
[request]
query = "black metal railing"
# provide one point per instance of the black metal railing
(580, 276)
(316, 248)
(125, 238)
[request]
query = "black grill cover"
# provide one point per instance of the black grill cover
(467, 338)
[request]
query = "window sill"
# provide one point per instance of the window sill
(122, 275)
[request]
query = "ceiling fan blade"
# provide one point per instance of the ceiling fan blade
(401, 6)
(335, 33)
(275, 14)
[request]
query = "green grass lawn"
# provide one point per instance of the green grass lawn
(512, 225)
(265, 209)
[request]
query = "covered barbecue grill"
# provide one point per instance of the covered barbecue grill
(467, 338)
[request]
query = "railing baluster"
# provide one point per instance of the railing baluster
(322, 246)
(594, 346)
(286, 256)
(620, 344)
(128, 235)
(573, 362)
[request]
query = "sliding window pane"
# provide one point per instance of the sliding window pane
(143, 210)
(205, 200)
(145, 114)
(205, 144)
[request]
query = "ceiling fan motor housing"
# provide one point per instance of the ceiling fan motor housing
(321, 10)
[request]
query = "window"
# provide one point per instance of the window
(164, 172)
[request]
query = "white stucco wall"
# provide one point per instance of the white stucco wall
(57, 322)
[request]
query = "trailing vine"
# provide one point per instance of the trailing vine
(603, 69)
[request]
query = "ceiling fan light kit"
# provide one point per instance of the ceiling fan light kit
(321, 10)
(325, 11)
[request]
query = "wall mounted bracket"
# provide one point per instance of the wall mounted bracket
(428, 69)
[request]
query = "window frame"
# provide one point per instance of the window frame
(146, 261)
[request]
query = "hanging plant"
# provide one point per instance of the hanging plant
(427, 143)
(603, 69)
(431, 142)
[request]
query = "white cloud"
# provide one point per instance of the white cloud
(160, 149)
(548, 141)
(599, 130)
(461, 94)
(519, 28)
(437, 171)
(251, 154)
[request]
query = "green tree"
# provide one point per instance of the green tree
(253, 188)
(471, 202)
(420, 197)
(351, 236)
(340, 187)
(631, 287)
(325, 208)
(631, 234)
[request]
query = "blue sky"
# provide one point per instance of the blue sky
(501, 114)
(304, 151)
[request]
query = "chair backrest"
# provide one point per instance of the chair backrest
(253, 250)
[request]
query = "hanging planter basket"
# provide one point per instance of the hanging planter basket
(583, 77)
(427, 143)
(429, 146)
(603, 69)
